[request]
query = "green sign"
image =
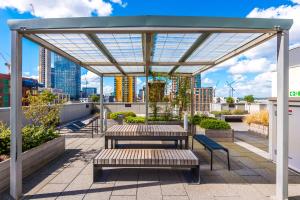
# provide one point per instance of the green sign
(294, 93)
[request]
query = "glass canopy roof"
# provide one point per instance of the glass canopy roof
(141, 45)
(168, 49)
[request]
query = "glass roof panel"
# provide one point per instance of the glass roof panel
(188, 69)
(106, 69)
(171, 47)
(123, 47)
(220, 44)
(77, 45)
(166, 69)
(133, 69)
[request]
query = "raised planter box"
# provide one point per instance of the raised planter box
(259, 129)
(217, 135)
(232, 117)
(33, 159)
(165, 122)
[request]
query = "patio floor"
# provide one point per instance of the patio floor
(70, 177)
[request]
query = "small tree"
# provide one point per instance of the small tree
(41, 109)
(230, 100)
(183, 99)
(95, 98)
(249, 99)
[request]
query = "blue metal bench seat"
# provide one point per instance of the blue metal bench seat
(211, 145)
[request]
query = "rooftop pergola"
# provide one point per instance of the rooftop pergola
(140, 45)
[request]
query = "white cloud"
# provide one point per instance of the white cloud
(107, 90)
(250, 66)
(120, 2)
(61, 8)
(207, 81)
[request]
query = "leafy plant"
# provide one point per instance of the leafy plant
(136, 120)
(32, 136)
(4, 139)
(95, 98)
(183, 97)
(41, 110)
(196, 119)
(238, 112)
(230, 100)
(249, 99)
(214, 124)
(116, 115)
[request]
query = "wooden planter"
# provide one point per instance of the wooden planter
(217, 135)
(259, 129)
(33, 159)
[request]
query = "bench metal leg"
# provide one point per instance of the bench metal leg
(176, 144)
(106, 143)
(196, 174)
(111, 143)
(180, 144)
(192, 143)
(97, 172)
(228, 160)
(211, 160)
(92, 129)
(187, 142)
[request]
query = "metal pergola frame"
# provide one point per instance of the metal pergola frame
(148, 26)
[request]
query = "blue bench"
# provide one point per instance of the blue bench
(211, 145)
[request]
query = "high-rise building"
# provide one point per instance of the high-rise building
(197, 81)
(125, 89)
(45, 67)
(88, 91)
(67, 76)
(203, 97)
(28, 85)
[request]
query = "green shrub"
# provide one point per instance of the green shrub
(115, 115)
(216, 113)
(4, 139)
(196, 119)
(32, 136)
(135, 120)
(226, 112)
(214, 124)
(239, 112)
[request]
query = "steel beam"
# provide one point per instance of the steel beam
(240, 50)
(16, 116)
(201, 39)
(151, 63)
(147, 51)
(146, 100)
(58, 51)
(282, 115)
(97, 42)
(101, 104)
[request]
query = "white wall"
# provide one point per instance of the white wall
(294, 80)
(68, 113)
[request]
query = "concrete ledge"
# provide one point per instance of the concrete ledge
(33, 159)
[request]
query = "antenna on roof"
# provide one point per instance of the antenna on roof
(32, 9)
(231, 89)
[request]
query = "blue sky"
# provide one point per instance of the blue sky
(251, 69)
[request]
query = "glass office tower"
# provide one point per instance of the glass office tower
(67, 76)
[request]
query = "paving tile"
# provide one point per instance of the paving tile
(50, 191)
(99, 191)
(123, 198)
(175, 198)
(66, 176)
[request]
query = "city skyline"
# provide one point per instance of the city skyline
(249, 70)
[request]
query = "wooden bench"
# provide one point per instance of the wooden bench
(211, 145)
(176, 158)
(146, 132)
